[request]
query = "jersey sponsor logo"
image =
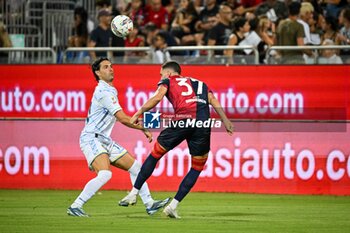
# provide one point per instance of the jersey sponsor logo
(151, 120)
(196, 99)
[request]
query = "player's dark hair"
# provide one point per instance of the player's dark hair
(172, 65)
(294, 8)
(95, 66)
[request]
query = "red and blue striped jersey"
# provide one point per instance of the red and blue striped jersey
(188, 96)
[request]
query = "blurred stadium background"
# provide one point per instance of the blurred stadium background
(286, 169)
(39, 31)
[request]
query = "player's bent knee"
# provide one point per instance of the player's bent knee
(198, 163)
(104, 175)
(158, 151)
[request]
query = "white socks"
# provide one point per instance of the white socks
(174, 203)
(92, 187)
(103, 177)
(144, 192)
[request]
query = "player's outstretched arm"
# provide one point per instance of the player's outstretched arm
(125, 120)
(151, 103)
(218, 109)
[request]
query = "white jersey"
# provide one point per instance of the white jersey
(104, 105)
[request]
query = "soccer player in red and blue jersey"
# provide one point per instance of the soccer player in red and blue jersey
(190, 98)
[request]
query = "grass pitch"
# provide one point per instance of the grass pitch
(45, 211)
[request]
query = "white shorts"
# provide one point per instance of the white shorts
(94, 146)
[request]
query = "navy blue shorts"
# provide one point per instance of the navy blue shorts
(198, 139)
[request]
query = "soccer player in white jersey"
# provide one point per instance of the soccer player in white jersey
(98, 147)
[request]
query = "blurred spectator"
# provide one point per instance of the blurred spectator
(344, 33)
(169, 6)
(156, 13)
(250, 5)
(134, 40)
(159, 55)
(122, 5)
(220, 33)
(329, 56)
(306, 13)
(80, 33)
(273, 9)
(236, 7)
(242, 28)
(250, 17)
(152, 31)
(315, 30)
(329, 27)
(136, 12)
(267, 32)
(5, 42)
(198, 5)
(252, 38)
(320, 21)
(334, 7)
(102, 36)
(291, 33)
(343, 38)
(241, 7)
(184, 22)
(341, 18)
(103, 4)
(316, 5)
(207, 20)
(81, 14)
(107, 5)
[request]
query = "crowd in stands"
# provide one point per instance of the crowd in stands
(159, 24)
(5, 42)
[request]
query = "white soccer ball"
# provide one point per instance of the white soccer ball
(121, 25)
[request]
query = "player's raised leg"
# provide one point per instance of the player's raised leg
(127, 162)
(186, 185)
(101, 165)
(145, 172)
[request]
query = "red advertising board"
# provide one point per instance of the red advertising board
(247, 92)
(291, 122)
(46, 154)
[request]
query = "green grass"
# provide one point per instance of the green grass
(45, 211)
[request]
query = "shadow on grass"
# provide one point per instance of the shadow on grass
(230, 214)
(221, 217)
